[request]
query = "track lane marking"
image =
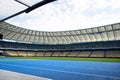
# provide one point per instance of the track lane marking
(63, 71)
(85, 68)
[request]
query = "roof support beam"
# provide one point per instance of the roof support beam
(22, 3)
(38, 5)
(29, 9)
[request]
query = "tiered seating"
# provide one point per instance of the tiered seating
(113, 53)
(64, 53)
(109, 53)
(97, 54)
(84, 54)
(86, 49)
(56, 53)
(10, 53)
(48, 53)
(72, 54)
(21, 53)
(30, 53)
(39, 53)
(82, 46)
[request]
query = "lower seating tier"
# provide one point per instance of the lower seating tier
(95, 53)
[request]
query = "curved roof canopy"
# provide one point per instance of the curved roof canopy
(102, 33)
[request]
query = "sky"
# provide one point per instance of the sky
(63, 15)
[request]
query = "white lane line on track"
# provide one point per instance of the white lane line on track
(85, 68)
(95, 68)
(63, 71)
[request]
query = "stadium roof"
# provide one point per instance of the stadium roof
(61, 15)
(102, 33)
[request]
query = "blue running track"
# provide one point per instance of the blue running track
(63, 70)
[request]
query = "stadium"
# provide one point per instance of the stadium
(101, 41)
(59, 55)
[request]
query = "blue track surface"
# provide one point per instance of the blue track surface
(64, 70)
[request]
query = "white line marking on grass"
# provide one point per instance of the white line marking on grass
(64, 71)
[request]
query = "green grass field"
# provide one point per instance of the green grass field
(72, 58)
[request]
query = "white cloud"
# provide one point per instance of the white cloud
(8, 7)
(115, 4)
(70, 15)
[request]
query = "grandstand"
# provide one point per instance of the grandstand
(38, 40)
(102, 41)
